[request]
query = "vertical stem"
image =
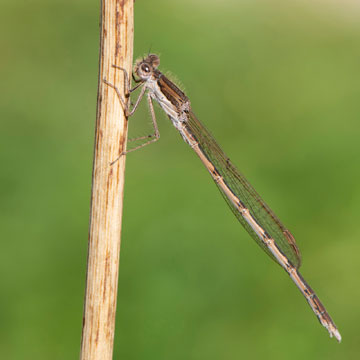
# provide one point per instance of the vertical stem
(116, 47)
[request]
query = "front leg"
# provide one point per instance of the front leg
(127, 92)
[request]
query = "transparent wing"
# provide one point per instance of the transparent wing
(246, 193)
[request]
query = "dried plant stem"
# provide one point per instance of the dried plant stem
(116, 47)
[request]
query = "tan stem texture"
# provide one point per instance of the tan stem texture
(116, 48)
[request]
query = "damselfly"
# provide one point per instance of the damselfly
(252, 212)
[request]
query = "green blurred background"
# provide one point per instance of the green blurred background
(277, 83)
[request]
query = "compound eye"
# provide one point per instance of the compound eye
(145, 68)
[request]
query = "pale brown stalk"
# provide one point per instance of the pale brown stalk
(116, 47)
